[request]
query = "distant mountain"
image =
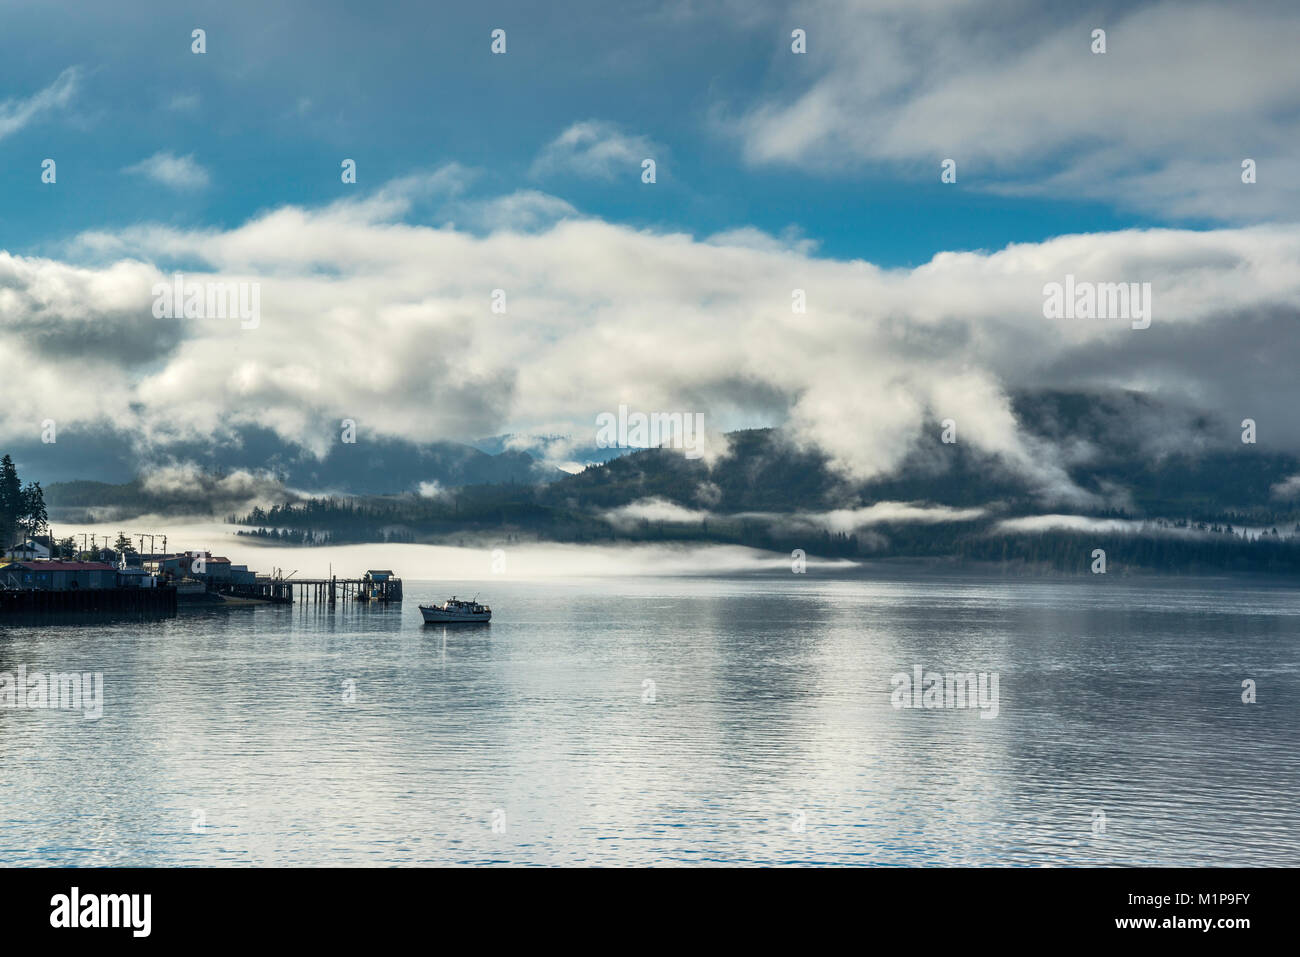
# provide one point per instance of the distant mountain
(368, 467)
(1117, 462)
(548, 447)
(1181, 496)
(386, 467)
(1131, 455)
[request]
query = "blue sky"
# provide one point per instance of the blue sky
(283, 95)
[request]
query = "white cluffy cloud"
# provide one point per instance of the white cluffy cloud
(654, 510)
(178, 172)
(1127, 526)
(17, 112)
(1014, 93)
(596, 150)
(1288, 488)
(848, 520)
(844, 521)
(369, 317)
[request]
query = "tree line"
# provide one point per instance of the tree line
(1170, 545)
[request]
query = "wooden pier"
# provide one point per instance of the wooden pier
(285, 591)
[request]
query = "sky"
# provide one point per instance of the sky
(522, 171)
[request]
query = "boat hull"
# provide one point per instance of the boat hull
(439, 616)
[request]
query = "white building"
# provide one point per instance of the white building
(28, 551)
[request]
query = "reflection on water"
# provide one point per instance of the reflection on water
(672, 721)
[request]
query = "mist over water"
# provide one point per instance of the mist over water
(638, 720)
(475, 559)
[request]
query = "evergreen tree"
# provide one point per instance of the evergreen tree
(33, 516)
(11, 501)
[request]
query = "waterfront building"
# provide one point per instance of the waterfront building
(30, 550)
(57, 575)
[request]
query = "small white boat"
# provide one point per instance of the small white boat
(455, 610)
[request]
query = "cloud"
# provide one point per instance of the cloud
(1071, 523)
(388, 322)
(525, 210)
(183, 102)
(1124, 526)
(59, 314)
(17, 112)
(881, 513)
(653, 510)
(555, 451)
(178, 172)
(1288, 488)
(1014, 94)
(596, 150)
(837, 521)
(187, 487)
(431, 490)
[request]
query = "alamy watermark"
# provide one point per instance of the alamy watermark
(931, 689)
(642, 430)
(64, 691)
(1098, 300)
(179, 299)
(75, 909)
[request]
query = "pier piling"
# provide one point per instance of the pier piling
(319, 590)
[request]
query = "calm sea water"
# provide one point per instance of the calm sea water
(767, 736)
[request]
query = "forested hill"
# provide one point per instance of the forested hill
(1180, 483)
(765, 472)
(1214, 510)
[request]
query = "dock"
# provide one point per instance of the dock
(330, 591)
(41, 602)
(155, 584)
